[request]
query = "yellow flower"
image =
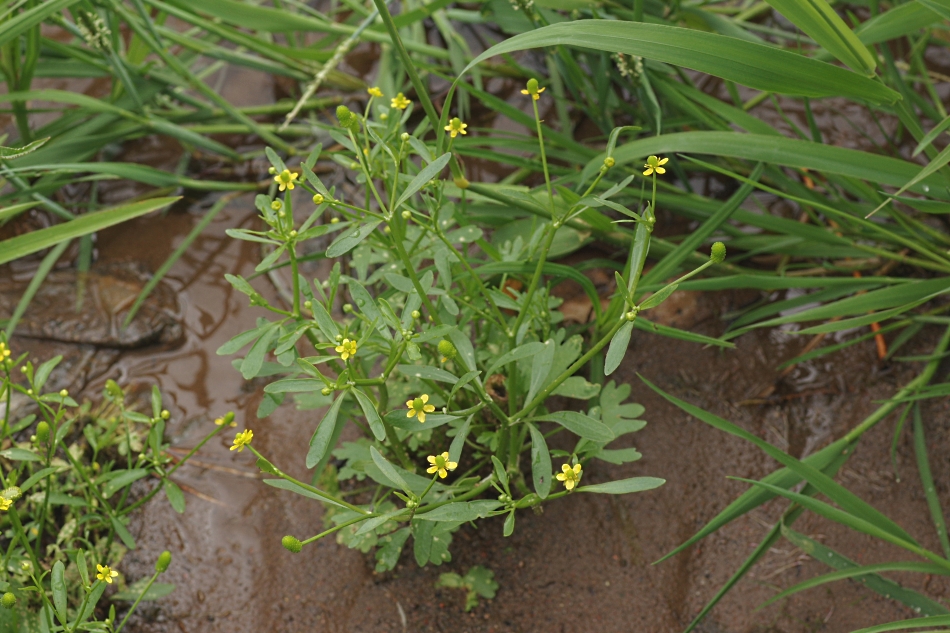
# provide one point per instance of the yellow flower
(4, 351)
(374, 92)
(418, 407)
(242, 439)
(5, 504)
(570, 476)
(346, 348)
(653, 164)
(440, 464)
(456, 127)
(533, 89)
(285, 180)
(221, 421)
(106, 573)
(400, 102)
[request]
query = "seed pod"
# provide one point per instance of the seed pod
(8, 600)
(447, 349)
(164, 560)
(42, 432)
(718, 252)
(291, 544)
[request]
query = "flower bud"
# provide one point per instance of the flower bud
(164, 560)
(447, 349)
(406, 215)
(462, 182)
(416, 314)
(63, 393)
(404, 137)
(318, 198)
(347, 308)
(276, 205)
(609, 162)
(165, 414)
(8, 600)
(42, 432)
(272, 170)
(326, 391)
(291, 544)
(383, 117)
(718, 252)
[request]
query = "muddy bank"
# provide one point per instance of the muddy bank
(587, 563)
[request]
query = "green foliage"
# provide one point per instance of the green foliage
(479, 582)
(67, 472)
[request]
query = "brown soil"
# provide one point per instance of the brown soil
(586, 564)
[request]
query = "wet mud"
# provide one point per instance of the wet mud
(588, 563)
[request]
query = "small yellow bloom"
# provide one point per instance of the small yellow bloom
(375, 92)
(220, 422)
(5, 504)
(106, 573)
(400, 102)
(653, 164)
(456, 127)
(242, 439)
(570, 476)
(285, 180)
(346, 348)
(4, 351)
(418, 407)
(533, 90)
(440, 464)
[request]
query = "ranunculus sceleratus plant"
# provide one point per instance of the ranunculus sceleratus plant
(446, 351)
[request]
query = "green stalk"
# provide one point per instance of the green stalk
(136, 603)
(308, 487)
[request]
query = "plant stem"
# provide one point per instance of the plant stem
(136, 603)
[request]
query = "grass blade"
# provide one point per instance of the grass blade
(926, 478)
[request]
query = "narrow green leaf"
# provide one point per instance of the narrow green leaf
(372, 415)
(754, 65)
(349, 239)
(175, 496)
(624, 486)
(618, 348)
(387, 469)
(429, 172)
(323, 435)
(58, 585)
(541, 471)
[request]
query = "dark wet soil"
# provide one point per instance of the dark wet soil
(584, 565)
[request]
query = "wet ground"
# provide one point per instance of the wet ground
(586, 564)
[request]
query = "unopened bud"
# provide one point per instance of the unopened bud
(462, 182)
(416, 314)
(318, 198)
(406, 215)
(272, 170)
(347, 308)
(165, 414)
(609, 162)
(326, 391)
(63, 393)
(8, 600)
(404, 137)
(291, 544)
(164, 560)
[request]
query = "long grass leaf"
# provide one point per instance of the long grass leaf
(850, 502)
(28, 243)
(927, 480)
(754, 65)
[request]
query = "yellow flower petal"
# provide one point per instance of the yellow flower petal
(422, 417)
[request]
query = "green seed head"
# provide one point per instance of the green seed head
(8, 600)
(532, 86)
(347, 119)
(42, 432)
(718, 253)
(164, 560)
(447, 349)
(291, 544)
